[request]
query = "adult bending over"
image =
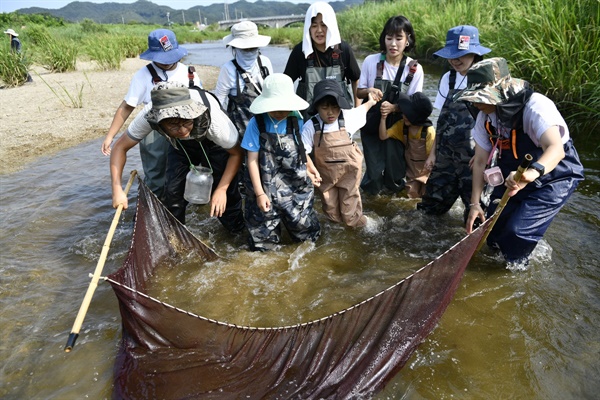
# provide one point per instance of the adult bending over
(517, 121)
(199, 132)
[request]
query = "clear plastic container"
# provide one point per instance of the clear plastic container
(198, 185)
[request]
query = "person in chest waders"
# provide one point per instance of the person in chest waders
(384, 75)
(517, 121)
(337, 158)
(278, 184)
(199, 133)
(454, 148)
(322, 54)
(240, 80)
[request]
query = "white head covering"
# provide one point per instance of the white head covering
(11, 32)
(333, 33)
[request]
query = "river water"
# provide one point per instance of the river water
(522, 334)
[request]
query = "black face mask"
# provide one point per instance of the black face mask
(508, 111)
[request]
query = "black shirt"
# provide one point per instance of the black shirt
(296, 64)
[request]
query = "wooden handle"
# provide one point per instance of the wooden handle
(97, 272)
(522, 168)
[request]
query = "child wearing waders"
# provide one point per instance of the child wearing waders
(337, 158)
(384, 75)
(451, 175)
(278, 185)
(416, 131)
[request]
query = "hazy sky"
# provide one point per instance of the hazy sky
(12, 5)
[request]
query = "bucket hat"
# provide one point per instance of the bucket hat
(163, 47)
(11, 32)
(462, 40)
(277, 95)
(244, 35)
(172, 100)
(324, 88)
(489, 82)
(416, 108)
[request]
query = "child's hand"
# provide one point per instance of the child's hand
(430, 162)
(376, 94)
(314, 176)
(387, 108)
(263, 201)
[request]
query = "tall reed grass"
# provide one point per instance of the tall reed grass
(555, 45)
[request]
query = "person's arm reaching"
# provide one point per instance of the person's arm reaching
(118, 158)
(121, 115)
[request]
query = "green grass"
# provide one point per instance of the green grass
(552, 44)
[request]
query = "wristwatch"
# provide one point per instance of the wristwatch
(538, 167)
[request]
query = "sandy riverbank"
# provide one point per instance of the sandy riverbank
(39, 119)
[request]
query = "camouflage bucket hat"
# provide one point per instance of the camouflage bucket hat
(172, 100)
(489, 82)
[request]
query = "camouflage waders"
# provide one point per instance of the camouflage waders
(416, 155)
(451, 176)
(339, 161)
(238, 108)
(288, 187)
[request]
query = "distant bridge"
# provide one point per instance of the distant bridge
(279, 21)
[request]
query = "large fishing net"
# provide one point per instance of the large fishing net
(169, 353)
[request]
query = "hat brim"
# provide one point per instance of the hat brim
(187, 111)
(341, 101)
(262, 105)
(247, 43)
(452, 52)
(493, 94)
(164, 57)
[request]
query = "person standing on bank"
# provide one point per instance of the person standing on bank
(199, 133)
(337, 158)
(322, 54)
(518, 121)
(240, 80)
(277, 181)
(384, 75)
(451, 175)
(15, 46)
(164, 53)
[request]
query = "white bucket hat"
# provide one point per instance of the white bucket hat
(11, 32)
(278, 95)
(244, 35)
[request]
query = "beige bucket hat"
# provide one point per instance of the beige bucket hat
(172, 100)
(244, 35)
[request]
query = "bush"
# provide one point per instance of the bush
(13, 67)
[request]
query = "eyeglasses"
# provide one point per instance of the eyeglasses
(176, 126)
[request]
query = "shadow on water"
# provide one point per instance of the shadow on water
(507, 334)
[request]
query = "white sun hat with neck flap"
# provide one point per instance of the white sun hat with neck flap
(244, 35)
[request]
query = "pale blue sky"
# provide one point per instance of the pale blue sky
(12, 5)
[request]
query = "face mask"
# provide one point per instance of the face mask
(246, 58)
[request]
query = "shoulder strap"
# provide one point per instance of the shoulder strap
(155, 78)
(336, 56)
(380, 66)
(264, 71)
(452, 79)
(191, 71)
(412, 69)
(260, 121)
(292, 127)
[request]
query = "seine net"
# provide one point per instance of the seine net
(170, 353)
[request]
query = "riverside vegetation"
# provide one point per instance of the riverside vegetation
(552, 44)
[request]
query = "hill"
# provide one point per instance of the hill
(143, 11)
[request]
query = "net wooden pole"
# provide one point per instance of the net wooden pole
(97, 273)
